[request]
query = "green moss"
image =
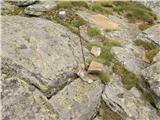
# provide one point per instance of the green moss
(151, 54)
(99, 7)
(158, 112)
(106, 56)
(143, 26)
(78, 22)
(151, 49)
(146, 45)
(71, 4)
(93, 32)
(134, 11)
(148, 97)
(104, 77)
(128, 78)
(107, 114)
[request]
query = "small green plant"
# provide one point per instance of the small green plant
(143, 26)
(129, 79)
(104, 77)
(93, 32)
(78, 22)
(151, 54)
(64, 4)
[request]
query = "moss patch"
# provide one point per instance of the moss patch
(106, 56)
(107, 114)
(104, 77)
(93, 32)
(151, 49)
(128, 78)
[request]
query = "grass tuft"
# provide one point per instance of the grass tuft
(93, 32)
(129, 79)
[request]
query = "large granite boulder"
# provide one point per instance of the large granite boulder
(40, 8)
(151, 34)
(22, 2)
(78, 101)
(152, 76)
(43, 52)
(21, 101)
(130, 57)
(126, 103)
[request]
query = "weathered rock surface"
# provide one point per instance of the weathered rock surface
(22, 2)
(152, 76)
(21, 101)
(77, 101)
(151, 34)
(130, 58)
(125, 103)
(46, 49)
(40, 8)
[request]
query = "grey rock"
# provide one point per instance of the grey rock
(129, 59)
(152, 76)
(62, 14)
(96, 51)
(22, 2)
(46, 50)
(78, 101)
(126, 104)
(40, 8)
(151, 34)
(95, 67)
(21, 101)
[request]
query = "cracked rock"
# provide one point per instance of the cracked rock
(128, 105)
(78, 101)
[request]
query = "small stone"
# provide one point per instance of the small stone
(96, 51)
(62, 14)
(95, 67)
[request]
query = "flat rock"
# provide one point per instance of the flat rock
(43, 52)
(151, 34)
(21, 101)
(152, 76)
(22, 2)
(40, 8)
(77, 101)
(129, 59)
(95, 67)
(126, 104)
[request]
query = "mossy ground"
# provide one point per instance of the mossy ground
(151, 49)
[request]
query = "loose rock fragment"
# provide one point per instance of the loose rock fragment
(96, 51)
(95, 67)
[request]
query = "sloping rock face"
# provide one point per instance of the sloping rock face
(78, 101)
(126, 103)
(152, 76)
(151, 34)
(21, 101)
(130, 58)
(43, 52)
(22, 2)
